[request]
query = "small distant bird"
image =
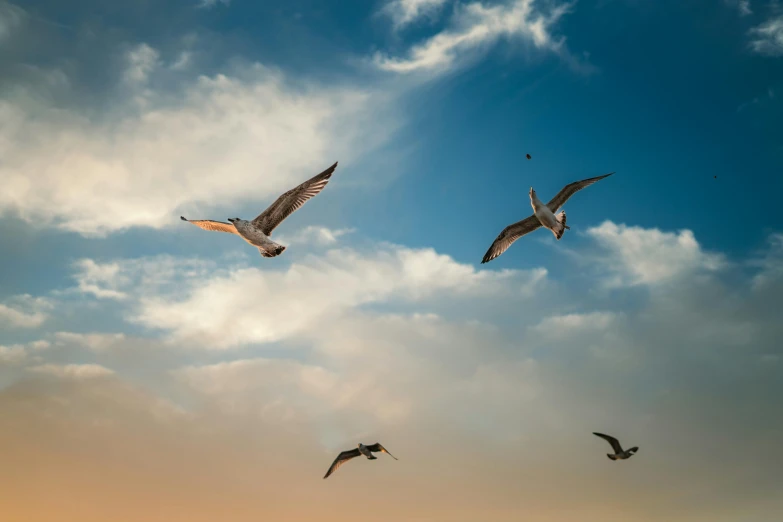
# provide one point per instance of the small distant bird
(361, 449)
(619, 452)
(527, 156)
(543, 215)
(257, 232)
(716, 177)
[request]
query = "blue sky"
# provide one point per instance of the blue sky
(654, 317)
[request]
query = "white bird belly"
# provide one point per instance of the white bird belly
(545, 216)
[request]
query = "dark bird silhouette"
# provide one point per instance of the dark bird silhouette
(360, 449)
(619, 452)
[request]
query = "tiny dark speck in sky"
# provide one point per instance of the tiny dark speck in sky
(528, 156)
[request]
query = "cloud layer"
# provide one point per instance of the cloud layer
(500, 370)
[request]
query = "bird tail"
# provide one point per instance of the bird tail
(561, 220)
(611, 456)
(272, 252)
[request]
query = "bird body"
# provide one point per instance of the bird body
(366, 452)
(360, 449)
(256, 237)
(544, 215)
(257, 232)
(619, 452)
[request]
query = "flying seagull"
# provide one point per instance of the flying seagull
(543, 215)
(361, 449)
(257, 232)
(527, 156)
(619, 452)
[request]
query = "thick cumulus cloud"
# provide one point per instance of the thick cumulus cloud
(685, 364)
(161, 152)
(221, 307)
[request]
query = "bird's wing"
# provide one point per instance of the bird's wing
(510, 234)
(341, 459)
(286, 204)
(208, 224)
(611, 440)
(571, 189)
(375, 448)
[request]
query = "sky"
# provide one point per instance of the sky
(153, 371)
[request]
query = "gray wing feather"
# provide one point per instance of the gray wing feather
(289, 202)
(571, 189)
(611, 440)
(376, 448)
(341, 459)
(215, 226)
(510, 234)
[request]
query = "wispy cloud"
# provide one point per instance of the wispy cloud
(476, 26)
(208, 4)
(743, 6)
(24, 311)
(406, 12)
(11, 17)
(72, 371)
(767, 38)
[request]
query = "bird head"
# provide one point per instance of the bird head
(633, 450)
(234, 219)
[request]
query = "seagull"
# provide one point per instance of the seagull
(543, 215)
(257, 232)
(619, 452)
(527, 156)
(361, 449)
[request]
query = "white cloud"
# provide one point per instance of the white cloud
(561, 326)
(97, 342)
(11, 17)
(768, 37)
(25, 311)
(142, 61)
(406, 12)
(649, 256)
(12, 354)
(179, 150)
(239, 305)
(100, 280)
(475, 27)
(743, 6)
(72, 371)
(314, 235)
(207, 4)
